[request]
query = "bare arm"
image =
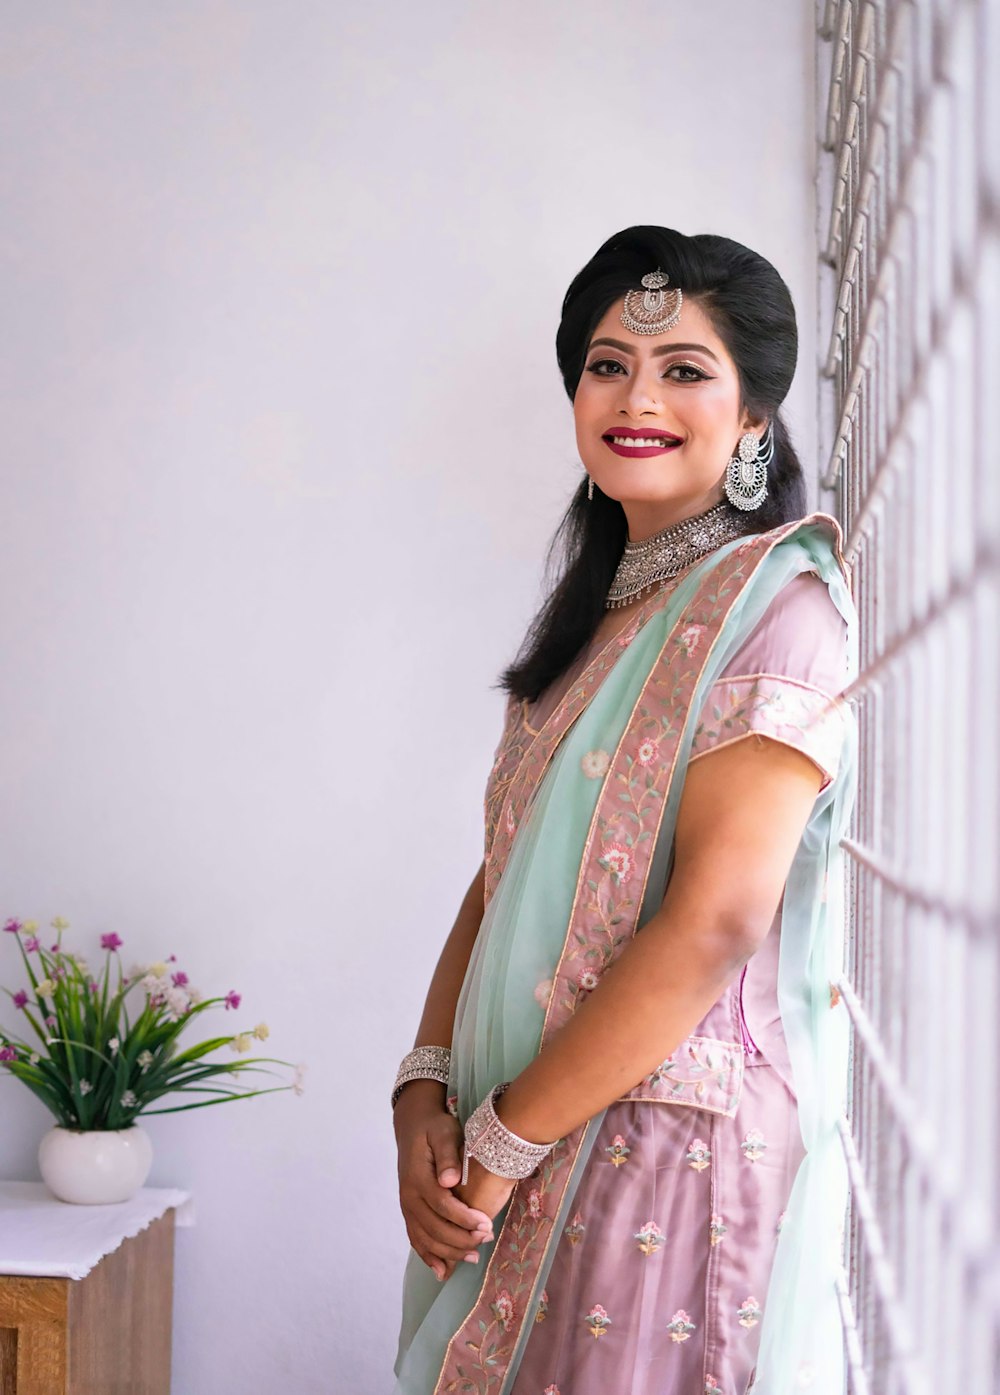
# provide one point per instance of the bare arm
(438, 1019)
(742, 814)
(441, 1228)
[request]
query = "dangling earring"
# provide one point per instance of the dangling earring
(590, 486)
(746, 473)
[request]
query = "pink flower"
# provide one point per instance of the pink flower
(111, 941)
(690, 638)
(93, 986)
(7, 1053)
(617, 859)
(534, 1203)
(32, 944)
(647, 752)
(180, 979)
(588, 980)
(20, 998)
(503, 1309)
(12, 926)
(233, 1000)
(52, 1021)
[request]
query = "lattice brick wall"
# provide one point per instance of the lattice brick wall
(909, 245)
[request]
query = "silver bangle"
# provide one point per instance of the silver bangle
(422, 1063)
(495, 1147)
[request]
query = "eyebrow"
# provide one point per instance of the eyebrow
(661, 349)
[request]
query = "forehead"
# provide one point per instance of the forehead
(694, 326)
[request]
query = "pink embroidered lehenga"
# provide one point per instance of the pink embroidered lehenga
(690, 1234)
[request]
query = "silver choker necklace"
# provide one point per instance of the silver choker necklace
(668, 552)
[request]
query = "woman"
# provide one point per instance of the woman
(654, 1203)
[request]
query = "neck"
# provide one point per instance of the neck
(646, 520)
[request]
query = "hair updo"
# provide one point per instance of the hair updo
(751, 310)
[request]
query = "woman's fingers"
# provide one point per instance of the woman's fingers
(447, 1240)
(444, 1136)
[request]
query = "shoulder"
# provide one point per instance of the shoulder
(801, 635)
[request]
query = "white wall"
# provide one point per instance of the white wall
(284, 444)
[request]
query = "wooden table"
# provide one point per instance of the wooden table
(106, 1333)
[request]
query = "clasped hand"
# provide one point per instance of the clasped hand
(445, 1221)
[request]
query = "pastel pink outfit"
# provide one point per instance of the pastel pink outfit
(676, 1217)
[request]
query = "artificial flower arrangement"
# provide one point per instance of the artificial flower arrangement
(96, 1066)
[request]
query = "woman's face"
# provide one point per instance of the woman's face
(681, 385)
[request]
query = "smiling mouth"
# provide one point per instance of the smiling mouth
(640, 445)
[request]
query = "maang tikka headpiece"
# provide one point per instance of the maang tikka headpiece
(652, 310)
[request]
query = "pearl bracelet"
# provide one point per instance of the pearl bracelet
(495, 1147)
(422, 1063)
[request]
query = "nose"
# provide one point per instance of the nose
(641, 392)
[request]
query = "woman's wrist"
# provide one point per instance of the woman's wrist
(422, 1063)
(496, 1147)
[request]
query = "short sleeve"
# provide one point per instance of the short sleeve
(785, 679)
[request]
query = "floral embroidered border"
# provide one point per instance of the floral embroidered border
(609, 894)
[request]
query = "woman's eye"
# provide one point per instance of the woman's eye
(606, 363)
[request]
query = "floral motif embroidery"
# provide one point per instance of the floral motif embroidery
(617, 860)
(588, 980)
(595, 764)
(503, 1309)
(576, 1230)
(618, 1150)
(647, 752)
(680, 1326)
(750, 1314)
(700, 1155)
(509, 820)
(716, 1230)
(704, 1072)
(597, 1320)
(690, 638)
(534, 1204)
(543, 1307)
(650, 1238)
(785, 709)
(712, 1386)
(551, 1390)
(753, 1145)
(542, 992)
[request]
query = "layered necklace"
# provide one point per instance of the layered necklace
(668, 552)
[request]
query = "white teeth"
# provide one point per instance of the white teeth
(641, 441)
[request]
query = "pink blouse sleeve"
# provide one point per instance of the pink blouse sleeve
(785, 679)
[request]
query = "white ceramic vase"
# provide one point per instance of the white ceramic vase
(95, 1167)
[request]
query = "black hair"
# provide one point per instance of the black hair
(751, 310)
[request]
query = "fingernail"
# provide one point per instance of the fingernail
(472, 1258)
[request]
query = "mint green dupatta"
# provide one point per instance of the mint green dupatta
(579, 848)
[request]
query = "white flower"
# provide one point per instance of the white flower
(34, 1058)
(113, 1046)
(85, 1087)
(262, 1031)
(159, 969)
(145, 1059)
(128, 1099)
(595, 764)
(240, 1042)
(195, 994)
(542, 992)
(45, 989)
(156, 985)
(178, 1002)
